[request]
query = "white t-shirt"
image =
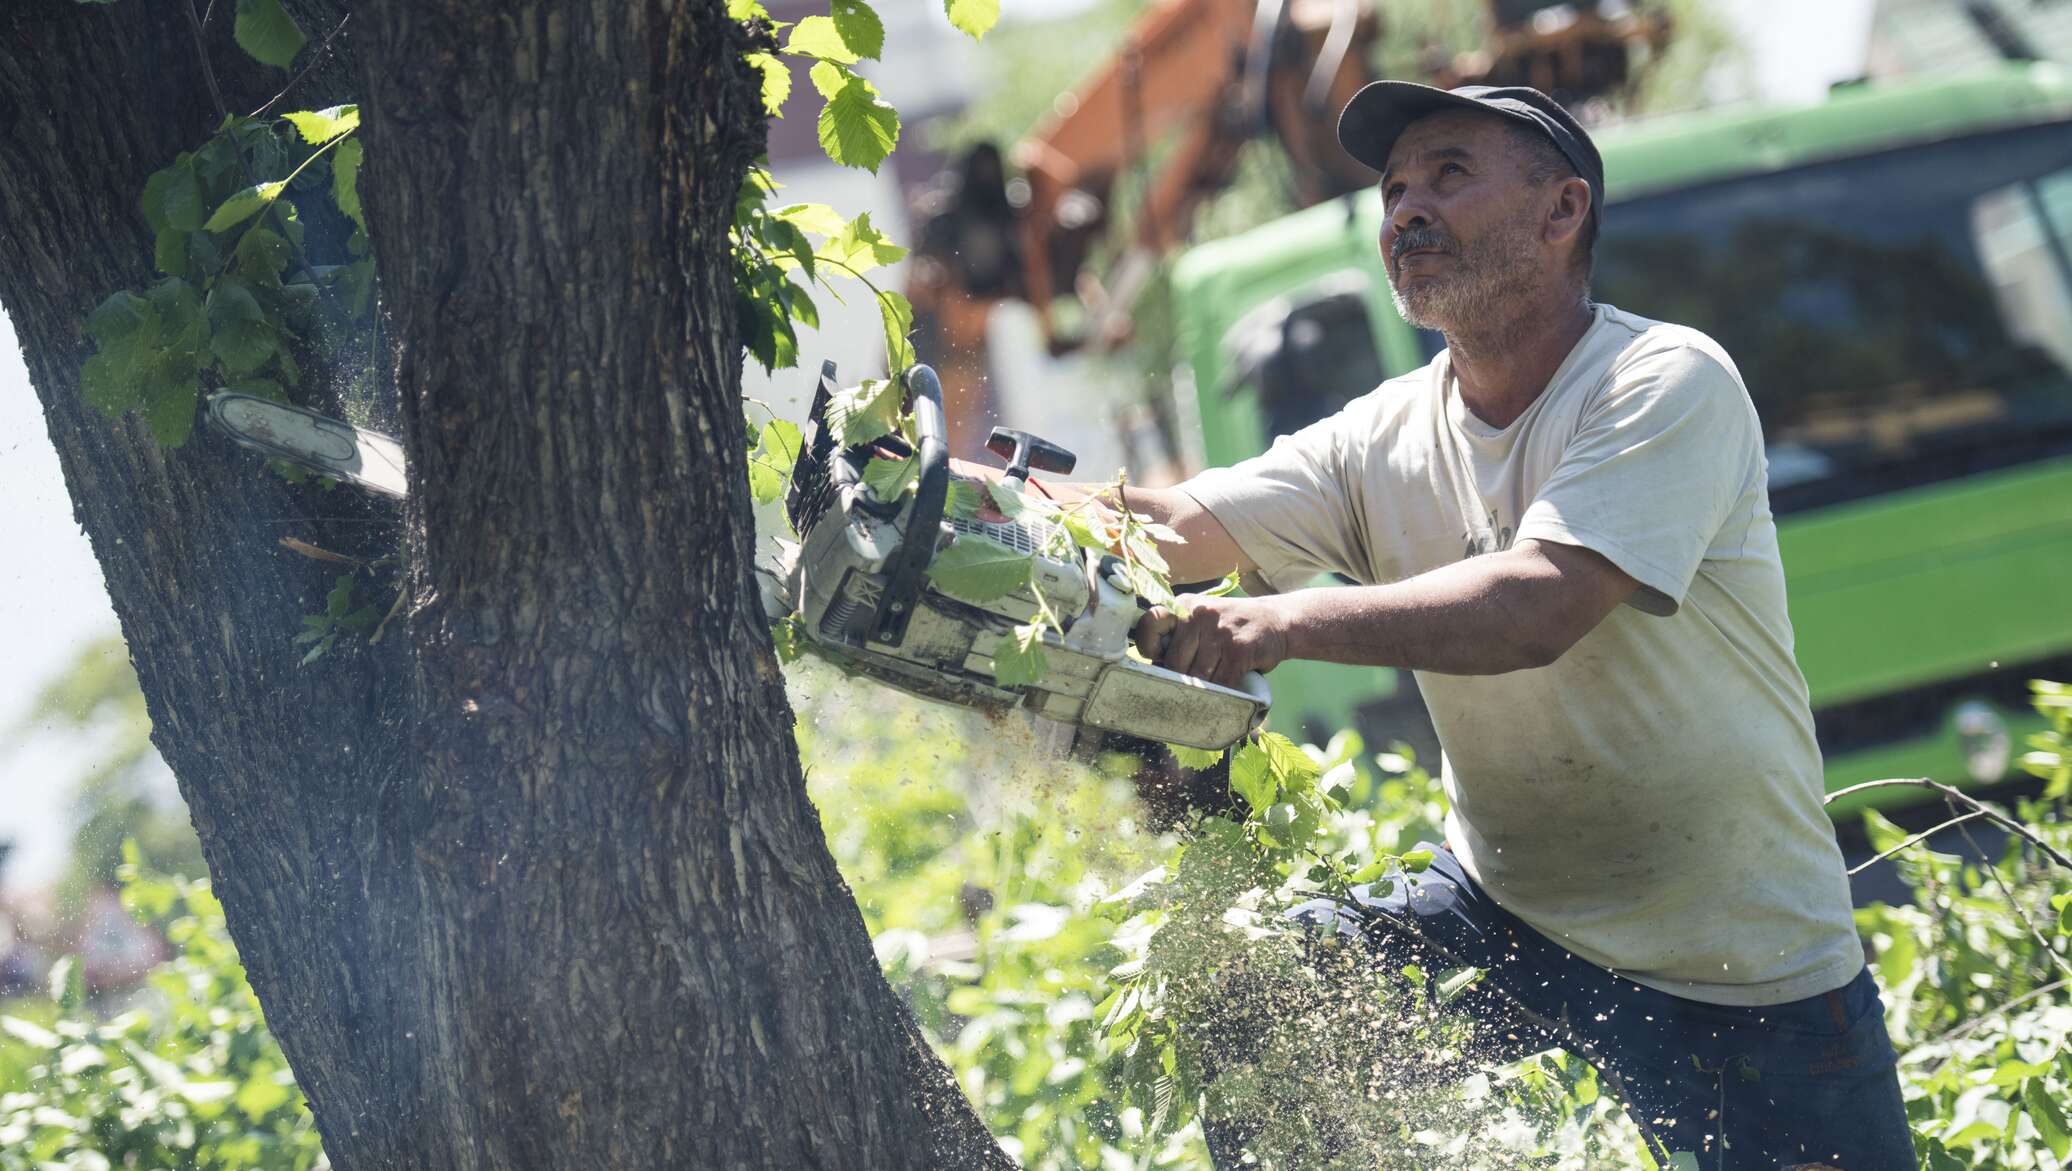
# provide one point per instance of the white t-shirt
(1652, 799)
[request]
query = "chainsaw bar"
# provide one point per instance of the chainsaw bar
(316, 442)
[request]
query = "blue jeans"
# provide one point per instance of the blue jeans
(1807, 1082)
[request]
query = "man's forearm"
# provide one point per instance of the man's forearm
(1483, 616)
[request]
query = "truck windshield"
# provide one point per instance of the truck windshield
(1900, 318)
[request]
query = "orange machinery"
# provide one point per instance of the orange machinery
(1193, 80)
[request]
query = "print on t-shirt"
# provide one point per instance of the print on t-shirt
(1493, 538)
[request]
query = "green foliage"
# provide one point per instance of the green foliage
(342, 613)
(195, 1081)
(1975, 971)
(773, 451)
(2050, 751)
(266, 31)
(239, 299)
(973, 18)
(866, 411)
(979, 570)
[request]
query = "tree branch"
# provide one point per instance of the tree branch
(1955, 794)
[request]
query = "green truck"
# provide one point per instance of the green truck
(1892, 271)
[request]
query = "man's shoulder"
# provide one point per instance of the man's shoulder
(1636, 340)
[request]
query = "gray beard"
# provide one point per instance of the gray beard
(1488, 289)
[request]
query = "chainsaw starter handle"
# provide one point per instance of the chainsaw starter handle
(905, 574)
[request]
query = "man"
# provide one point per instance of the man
(1562, 525)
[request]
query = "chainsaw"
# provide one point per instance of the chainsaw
(856, 582)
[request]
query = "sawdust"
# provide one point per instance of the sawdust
(1310, 1054)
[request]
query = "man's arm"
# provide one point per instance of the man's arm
(1524, 607)
(1206, 551)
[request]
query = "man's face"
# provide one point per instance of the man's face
(1462, 242)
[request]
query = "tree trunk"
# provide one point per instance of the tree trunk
(537, 885)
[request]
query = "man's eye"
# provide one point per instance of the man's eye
(1390, 193)
(1453, 167)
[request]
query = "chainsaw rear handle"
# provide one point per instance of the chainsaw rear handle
(908, 569)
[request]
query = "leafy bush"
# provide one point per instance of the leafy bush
(1006, 902)
(186, 1078)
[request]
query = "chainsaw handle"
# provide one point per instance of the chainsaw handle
(909, 566)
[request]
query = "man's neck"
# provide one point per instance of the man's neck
(1503, 367)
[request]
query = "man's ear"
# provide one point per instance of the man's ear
(1570, 211)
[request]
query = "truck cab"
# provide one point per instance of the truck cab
(1891, 269)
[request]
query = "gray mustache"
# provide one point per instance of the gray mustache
(1419, 238)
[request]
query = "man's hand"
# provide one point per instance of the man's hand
(1218, 639)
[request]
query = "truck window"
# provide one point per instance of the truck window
(1899, 318)
(1308, 354)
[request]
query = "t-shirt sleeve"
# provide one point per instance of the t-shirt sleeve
(1288, 509)
(1657, 466)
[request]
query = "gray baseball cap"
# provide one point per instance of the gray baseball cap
(1382, 110)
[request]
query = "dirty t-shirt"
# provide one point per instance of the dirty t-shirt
(1652, 799)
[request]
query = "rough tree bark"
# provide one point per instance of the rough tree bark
(537, 885)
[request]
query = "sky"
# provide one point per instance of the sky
(51, 595)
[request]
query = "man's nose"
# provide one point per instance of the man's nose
(1403, 217)
(1410, 212)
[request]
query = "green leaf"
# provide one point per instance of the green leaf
(1369, 872)
(819, 36)
(1009, 502)
(240, 336)
(788, 633)
(776, 82)
(896, 314)
(266, 31)
(260, 256)
(979, 570)
(1417, 861)
(262, 1095)
(860, 27)
(1881, 833)
(973, 18)
(857, 127)
(1018, 657)
(2063, 903)
(2048, 1117)
(127, 330)
(169, 410)
(345, 180)
(858, 248)
(244, 205)
(1252, 777)
(769, 465)
(1195, 758)
(1292, 767)
(1148, 584)
(829, 78)
(169, 252)
(318, 127)
(172, 194)
(863, 412)
(817, 218)
(889, 479)
(1454, 981)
